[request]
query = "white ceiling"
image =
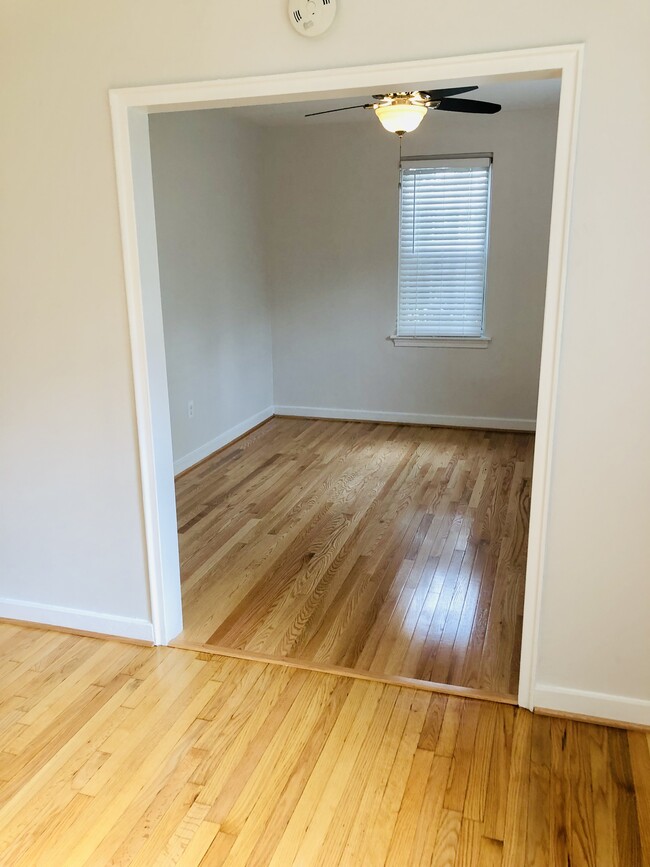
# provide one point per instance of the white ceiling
(511, 95)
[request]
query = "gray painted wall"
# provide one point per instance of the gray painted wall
(207, 177)
(332, 217)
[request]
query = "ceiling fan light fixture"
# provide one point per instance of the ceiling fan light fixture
(401, 117)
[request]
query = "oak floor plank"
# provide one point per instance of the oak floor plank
(602, 795)
(268, 820)
(433, 723)
(470, 844)
(348, 730)
(639, 747)
(462, 757)
(538, 825)
(426, 830)
(197, 847)
(479, 773)
(449, 730)
(499, 777)
(313, 837)
(348, 809)
(516, 817)
(408, 815)
(628, 835)
(447, 842)
(377, 838)
(582, 803)
(359, 837)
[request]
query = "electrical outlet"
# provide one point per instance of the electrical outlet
(190, 409)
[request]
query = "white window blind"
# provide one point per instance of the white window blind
(443, 237)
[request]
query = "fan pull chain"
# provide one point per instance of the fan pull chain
(399, 167)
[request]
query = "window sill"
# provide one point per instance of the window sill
(442, 342)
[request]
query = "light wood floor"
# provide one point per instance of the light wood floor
(124, 755)
(389, 549)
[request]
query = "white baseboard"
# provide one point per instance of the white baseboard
(617, 708)
(74, 618)
(519, 424)
(188, 460)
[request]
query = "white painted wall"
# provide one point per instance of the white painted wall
(71, 529)
(207, 188)
(332, 213)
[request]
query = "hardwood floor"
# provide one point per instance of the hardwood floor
(389, 549)
(117, 754)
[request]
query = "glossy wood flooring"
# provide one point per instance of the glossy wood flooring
(390, 549)
(124, 755)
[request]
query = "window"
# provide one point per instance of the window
(443, 239)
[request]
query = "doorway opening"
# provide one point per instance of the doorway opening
(362, 526)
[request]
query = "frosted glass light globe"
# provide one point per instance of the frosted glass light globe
(400, 117)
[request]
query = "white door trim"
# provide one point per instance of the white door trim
(130, 107)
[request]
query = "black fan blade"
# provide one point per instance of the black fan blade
(442, 92)
(470, 106)
(332, 110)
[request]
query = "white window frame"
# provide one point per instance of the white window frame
(443, 341)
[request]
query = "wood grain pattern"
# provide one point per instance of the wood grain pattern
(389, 549)
(113, 754)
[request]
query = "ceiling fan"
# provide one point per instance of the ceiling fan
(402, 112)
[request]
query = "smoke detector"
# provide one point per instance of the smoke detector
(312, 17)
